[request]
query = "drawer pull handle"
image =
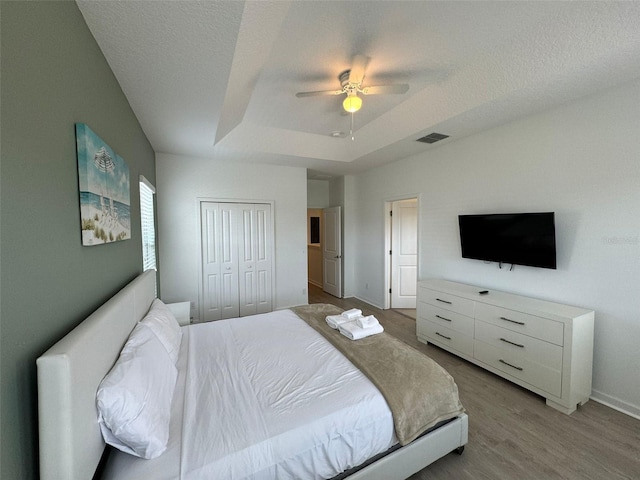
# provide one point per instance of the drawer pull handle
(444, 318)
(508, 364)
(443, 301)
(443, 336)
(512, 321)
(511, 343)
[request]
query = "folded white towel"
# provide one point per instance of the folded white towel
(352, 314)
(335, 320)
(352, 331)
(367, 322)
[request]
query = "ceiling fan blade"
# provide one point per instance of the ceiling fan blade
(357, 69)
(319, 92)
(382, 89)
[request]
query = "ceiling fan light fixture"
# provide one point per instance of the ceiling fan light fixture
(352, 103)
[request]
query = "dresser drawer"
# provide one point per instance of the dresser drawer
(448, 302)
(532, 349)
(442, 335)
(518, 366)
(531, 325)
(446, 318)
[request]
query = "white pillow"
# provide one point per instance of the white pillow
(134, 398)
(164, 324)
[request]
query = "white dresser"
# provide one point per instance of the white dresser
(543, 346)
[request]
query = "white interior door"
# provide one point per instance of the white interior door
(237, 246)
(404, 253)
(229, 292)
(255, 259)
(332, 251)
(219, 263)
(247, 276)
(209, 221)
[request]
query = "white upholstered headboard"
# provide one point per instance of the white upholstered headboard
(69, 373)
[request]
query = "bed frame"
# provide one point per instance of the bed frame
(69, 373)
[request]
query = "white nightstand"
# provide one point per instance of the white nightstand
(182, 312)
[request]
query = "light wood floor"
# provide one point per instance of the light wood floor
(513, 435)
(407, 312)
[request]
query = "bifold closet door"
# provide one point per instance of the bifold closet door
(236, 259)
(254, 240)
(220, 289)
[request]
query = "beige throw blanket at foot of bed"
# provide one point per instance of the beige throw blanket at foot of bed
(420, 393)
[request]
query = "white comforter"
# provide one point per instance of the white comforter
(266, 397)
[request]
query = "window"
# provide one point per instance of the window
(147, 221)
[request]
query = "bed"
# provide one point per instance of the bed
(70, 372)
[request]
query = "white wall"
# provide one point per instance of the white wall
(318, 194)
(350, 236)
(336, 191)
(181, 181)
(581, 161)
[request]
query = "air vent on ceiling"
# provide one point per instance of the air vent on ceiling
(432, 138)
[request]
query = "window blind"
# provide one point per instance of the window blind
(147, 220)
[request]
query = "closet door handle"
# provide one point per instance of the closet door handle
(512, 321)
(511, 343)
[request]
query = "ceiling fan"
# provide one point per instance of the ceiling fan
(351, 83)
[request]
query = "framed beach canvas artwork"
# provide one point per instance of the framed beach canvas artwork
(103, 178)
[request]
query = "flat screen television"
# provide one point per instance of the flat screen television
(515, 238)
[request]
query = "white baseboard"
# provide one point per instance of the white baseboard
(312, 282)
(616, 404)
(370, 302)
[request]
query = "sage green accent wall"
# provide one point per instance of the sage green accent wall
(53, 75)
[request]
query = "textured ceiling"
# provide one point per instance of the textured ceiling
(218, 78)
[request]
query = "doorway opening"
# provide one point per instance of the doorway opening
(314, 246)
